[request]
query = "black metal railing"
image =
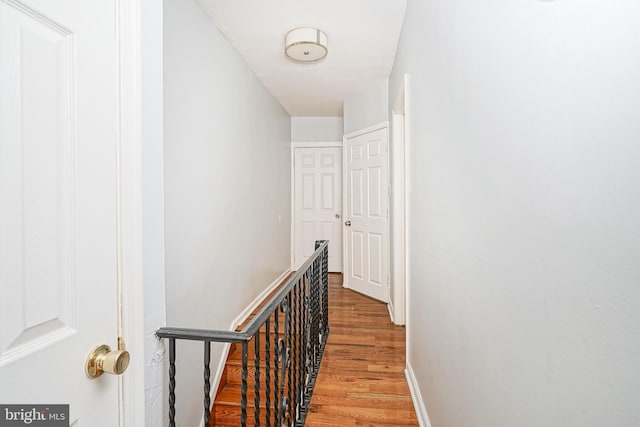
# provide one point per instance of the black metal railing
(286, 337)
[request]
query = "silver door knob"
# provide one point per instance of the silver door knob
(347, 223)
(337, 216)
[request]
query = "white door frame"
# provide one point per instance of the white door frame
(399, 206)
(345, 180)
(294, 145)
(129, 212)
(405, 99)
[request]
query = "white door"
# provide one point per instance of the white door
(317, 203)
(366, 215)
(58, 130)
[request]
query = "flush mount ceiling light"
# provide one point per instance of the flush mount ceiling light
(305, 45)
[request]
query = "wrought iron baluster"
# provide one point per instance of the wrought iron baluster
(284, 362)
(315, 333)
(307, 327)
(243, 388)
(207, 382)
(318, 322)
(294, 350)
(172, 382)
(301, 346)
(318, 266)
(305, 353)
(276, 365)
(267, 371)
(325, 292)
(256, 382)
(291, 399)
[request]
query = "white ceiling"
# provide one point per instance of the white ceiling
(363, 35)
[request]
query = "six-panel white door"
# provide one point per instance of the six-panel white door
(317, 203)
(58, 130)
(366, 263)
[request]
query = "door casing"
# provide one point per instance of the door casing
(399, 206)
(130, 237)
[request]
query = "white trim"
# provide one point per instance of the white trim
(315, 144)
(292, 225)
(398, 208)
(416, 396)
(391, 312)
(244, 314)
(345, 236)
(131, 401)
(407, 214)
(292, 233)
(397, 217)
(254, 304)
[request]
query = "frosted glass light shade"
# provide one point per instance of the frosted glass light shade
(305, 45)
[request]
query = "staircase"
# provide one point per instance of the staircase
(274, 358)
(226, 408)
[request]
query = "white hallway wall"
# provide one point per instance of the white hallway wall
(316, 129)
(227, 187)
(367, 108)
(524, 210)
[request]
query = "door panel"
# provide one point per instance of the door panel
(317, 201)
(57, 211)
(37, 236)
(366, 227)
(375, 254)
(357, 252)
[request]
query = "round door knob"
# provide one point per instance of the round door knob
(347, 223)
(102, 360)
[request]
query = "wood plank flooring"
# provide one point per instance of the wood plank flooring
(361, 380)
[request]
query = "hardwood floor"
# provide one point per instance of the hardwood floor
(361, 380)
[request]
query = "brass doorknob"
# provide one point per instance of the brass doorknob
(102, 360)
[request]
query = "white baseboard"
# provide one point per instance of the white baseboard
(256, 302)
(391, 311)
(416, 396)
(215, 383)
